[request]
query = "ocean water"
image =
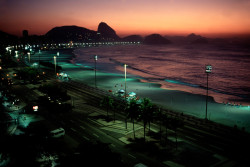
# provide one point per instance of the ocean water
(179, 67)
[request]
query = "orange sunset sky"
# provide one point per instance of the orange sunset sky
(127, 17)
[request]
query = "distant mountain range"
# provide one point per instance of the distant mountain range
(190, 39)
(7, 38)
(156, 39)
(105, 33)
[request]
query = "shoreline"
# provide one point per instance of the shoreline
(164, 72)
(178, 101)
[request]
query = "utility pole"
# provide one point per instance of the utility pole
(95, 68)
(208, 70)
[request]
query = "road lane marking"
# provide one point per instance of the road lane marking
(73, 129)
(85, 138)
(190, 138)
(95, 122)
(95, 135)
(132, 156)
(215, 147)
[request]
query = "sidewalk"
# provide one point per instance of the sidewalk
(118, 128)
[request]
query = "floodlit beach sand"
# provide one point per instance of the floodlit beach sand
(180, 101)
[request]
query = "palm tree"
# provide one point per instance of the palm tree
(132, 112)
(158, 116)
(116, 107)
(166, 123)
(107, 101)
(175, 124)
(146, 113)
(125, 109)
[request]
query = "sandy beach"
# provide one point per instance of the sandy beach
(179, 101)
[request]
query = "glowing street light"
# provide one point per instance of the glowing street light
(208, 70)
(95, 68)
(16, 53)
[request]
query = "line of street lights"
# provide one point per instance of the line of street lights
(208, 71)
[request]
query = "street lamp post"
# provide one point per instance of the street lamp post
(125, 76)
(55, 63)
(125, 71)
(29, 56)
(16, 53)
(39, 52)
(208, 70)
(95, 68)
(57, 54)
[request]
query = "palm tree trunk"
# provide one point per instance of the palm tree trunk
(160, 128)
(160, 124)
(166, 134)
(144, 131)
(176, 138)
(107, 113)
(126, 124)
(134, 127)
(149, 125)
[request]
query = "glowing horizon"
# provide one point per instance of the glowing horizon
(128, 17)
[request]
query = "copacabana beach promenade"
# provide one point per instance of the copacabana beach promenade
(179, 101)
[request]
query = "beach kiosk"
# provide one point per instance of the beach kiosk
(121, 92)
(131, 94)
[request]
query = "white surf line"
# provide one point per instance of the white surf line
(95, 135)
(132, 156)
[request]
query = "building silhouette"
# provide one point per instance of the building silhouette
(25, 33)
